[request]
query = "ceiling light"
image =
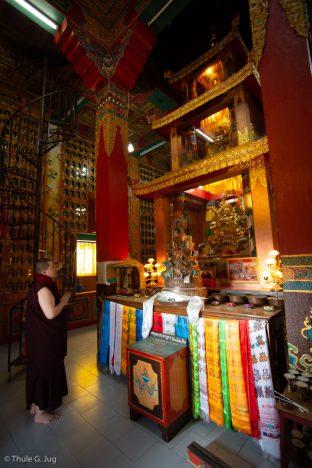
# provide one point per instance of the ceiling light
(151, 148)
(37, 13)
(208, 71)
(130, 148)
(203, 134)
(159, 13)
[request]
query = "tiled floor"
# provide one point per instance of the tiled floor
(95, 430)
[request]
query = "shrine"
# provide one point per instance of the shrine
(158, 153)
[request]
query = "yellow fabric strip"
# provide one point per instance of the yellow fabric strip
(132, 325)
(124, 339)
(238, 398)
(214, 371)
(190, 337)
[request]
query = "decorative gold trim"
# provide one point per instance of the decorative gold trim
(222, 88)
(215, 50)
(297, 291)
(298, 255)
(257, 172)
(112, 112)
(296, 14)
(258, 12)
(232, 157)
(292, 279)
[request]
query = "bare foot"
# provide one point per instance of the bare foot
(42, 417)
(33, 409)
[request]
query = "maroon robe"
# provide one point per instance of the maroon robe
(46, 342)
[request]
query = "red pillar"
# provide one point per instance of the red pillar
(114, 81)
(287, 96)
(111, 206)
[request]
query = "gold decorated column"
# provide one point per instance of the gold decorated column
(51, 239)
(162, 227)
(261, 213)
(242, 117)
(176, 149)
(134, 211)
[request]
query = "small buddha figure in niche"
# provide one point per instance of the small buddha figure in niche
(181, 225)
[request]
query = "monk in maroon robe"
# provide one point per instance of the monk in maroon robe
(46, 341)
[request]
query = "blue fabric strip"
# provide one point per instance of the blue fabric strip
(104, 335)
(139, 322)
(182, 327)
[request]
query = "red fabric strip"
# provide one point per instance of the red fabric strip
(249, 378)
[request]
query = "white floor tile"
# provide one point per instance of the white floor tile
(169, 459)
(99, 453)
(95, 429)
(98, 415)
(115, 427)
(135, 443)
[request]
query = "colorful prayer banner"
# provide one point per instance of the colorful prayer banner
(224, 375)
(202, 370)
(214, 371)
(269, 417)
(237, 390)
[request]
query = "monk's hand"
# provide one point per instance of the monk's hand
(65, 298)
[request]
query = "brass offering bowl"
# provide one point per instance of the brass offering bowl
(257, 301)
(291, 379)
(237, 298)
(276, 303)
(220, 297)
(303, 388)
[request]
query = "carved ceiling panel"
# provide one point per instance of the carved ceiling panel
(103, 20)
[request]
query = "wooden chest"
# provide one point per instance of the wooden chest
(158, 383)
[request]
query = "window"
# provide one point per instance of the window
(86, 255)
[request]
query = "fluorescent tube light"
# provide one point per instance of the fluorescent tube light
(159, 13)
(31, 9)
(203, 134)
(157, 145)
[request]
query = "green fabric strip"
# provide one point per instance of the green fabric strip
(224, 376)
(195, 372)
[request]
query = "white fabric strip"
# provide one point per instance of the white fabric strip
(269, 417)
(118, 333)
(112, 318)
(202, 370)
(195, 303)
(168, 321)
